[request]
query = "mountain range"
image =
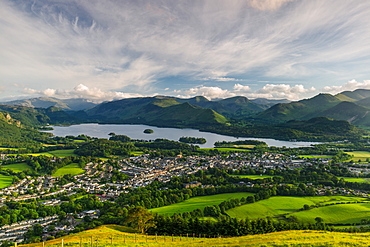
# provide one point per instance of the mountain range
(230, 116)
(353, 107)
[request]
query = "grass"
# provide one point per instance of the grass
(112, 235)
(359, 155)
(57, 153)
(5, 181)
(315, 156)
(336, 214)
(198, 202)
(356, 180)
(63, 153)
(73, 169)
(254, 176)
(137, 153)
(279, 205)
(18, 167)
(228, 149)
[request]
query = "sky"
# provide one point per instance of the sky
(112, 49)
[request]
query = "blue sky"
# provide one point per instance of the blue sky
(114, 49)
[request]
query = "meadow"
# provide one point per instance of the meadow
(228, 149)
(356, 180)
(254, 176)
(63, 153)
(359, 155)
(73, 169)
(18, 167)
(315, 156)
(5, 181)
(280, 205)
(336, 214)
(112, 235)
(198, 202)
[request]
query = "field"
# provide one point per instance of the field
(356, 180)
(228, 149)
(279, 205)
(359, 155)
(198, 202)
(18, 167)
(5, 181)
(63, 153)
(316, 156)
(56, 153)
(342, 213)
(111, 235)
(136, 153)
(254, 176)
(72, 169)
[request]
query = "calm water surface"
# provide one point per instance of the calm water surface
(136, 132)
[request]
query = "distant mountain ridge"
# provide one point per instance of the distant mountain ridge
(353, 107)
(317, 118)
(46, 102)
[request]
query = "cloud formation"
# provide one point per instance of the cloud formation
(134, 45)
(81, 91)
(348, 86)
(269, 91)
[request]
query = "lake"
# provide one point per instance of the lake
(135, 131)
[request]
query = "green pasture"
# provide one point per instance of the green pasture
(227, 149)
(254, 176)
(198, 202)
(5, 181)
(314, 156)
(137, 153)
(73, 169)
(336, 214)
(18, 167)
(356, 180)
(41, 154)
(359, 155)
(279, 205)
(63, 153)
(14, 149)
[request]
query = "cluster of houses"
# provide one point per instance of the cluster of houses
(15, 232)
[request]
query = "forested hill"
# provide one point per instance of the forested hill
(14, 134)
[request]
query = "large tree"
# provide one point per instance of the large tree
(140, 219)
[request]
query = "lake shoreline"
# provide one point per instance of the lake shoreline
(135, 131)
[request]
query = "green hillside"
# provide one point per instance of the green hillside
(159, 110)
(234, 107)
(349, 106)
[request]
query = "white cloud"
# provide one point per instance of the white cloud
(240, 88)
(82, 91)
(116, 44)
(269, 91)
(267, 4)
(208, 92)
(348, 86)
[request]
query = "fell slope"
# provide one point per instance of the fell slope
(159, 110)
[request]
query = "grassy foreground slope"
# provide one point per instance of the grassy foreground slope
(111, 235)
